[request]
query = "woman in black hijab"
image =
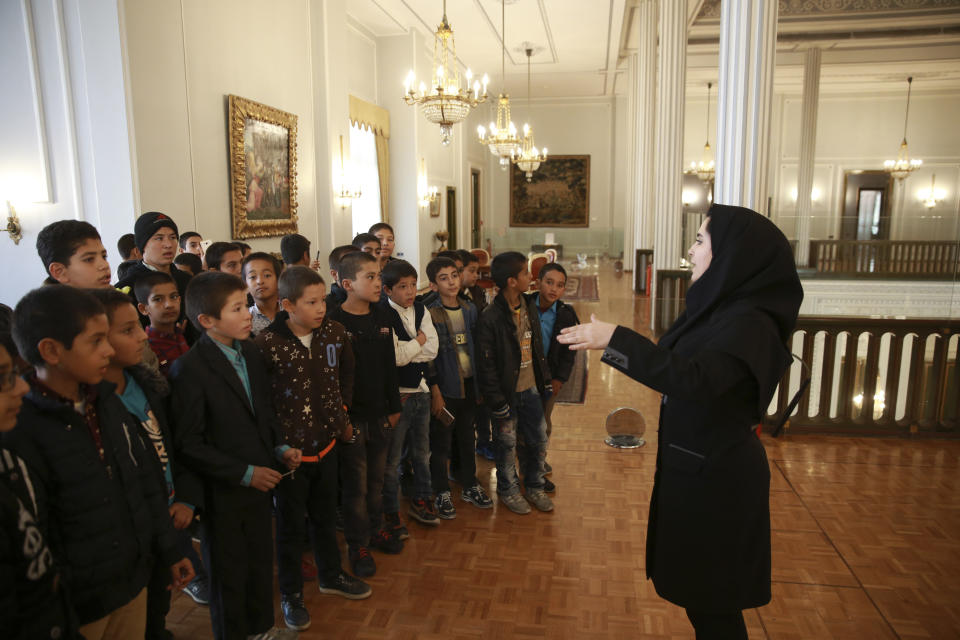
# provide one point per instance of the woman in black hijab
(708, 535)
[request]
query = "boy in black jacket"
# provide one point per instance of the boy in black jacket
(374, 412)
(33, 598)
(311, 366)
(143, 392)
(226, 432)
(98, 478)
(512, 374)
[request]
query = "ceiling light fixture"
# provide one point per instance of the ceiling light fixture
(904, 165)
(502, 139)
(528, 158)
(705, 169)
(448, 101)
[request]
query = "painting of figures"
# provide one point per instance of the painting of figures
(557, 196)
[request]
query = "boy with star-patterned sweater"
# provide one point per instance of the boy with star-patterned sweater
(312, 366)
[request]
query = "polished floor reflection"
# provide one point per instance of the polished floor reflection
(866, 540)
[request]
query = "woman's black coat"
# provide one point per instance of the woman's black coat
(708, 536)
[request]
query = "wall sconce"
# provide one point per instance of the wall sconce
(13, 224)
(933, 196)
(426, 194)
(814, 194)
(345, 195)
(688, 197)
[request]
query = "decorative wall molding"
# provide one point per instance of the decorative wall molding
(881, 298)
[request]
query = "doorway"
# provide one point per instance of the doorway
(475, 208)
(452, 217)
(866, 206)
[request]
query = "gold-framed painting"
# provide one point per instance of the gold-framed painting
(558, 194)
(263, 169)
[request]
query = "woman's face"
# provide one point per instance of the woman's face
(701, 252)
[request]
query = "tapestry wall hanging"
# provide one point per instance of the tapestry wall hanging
(557, 196)
(263, 169)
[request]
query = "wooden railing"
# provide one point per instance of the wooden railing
(874, 376)
(886, 258)
(671, 295)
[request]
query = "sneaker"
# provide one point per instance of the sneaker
(548, 487)
(515, 503)
(423, 512)
(347, 586)
(386, 542)
(275, 633)
(307, 570)
(476, 496)
(294, 613)
(395, 526)
(547, 468)
(539, 499)
(198, 590)
(445, 508)
(361, 562)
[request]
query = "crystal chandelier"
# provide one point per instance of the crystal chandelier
(528, 159)
(502, 139)
(704, 169)
(448, 101)
(904, 165)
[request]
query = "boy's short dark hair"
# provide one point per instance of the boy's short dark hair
(380, 226)
(551, 266)
(260, 255)
(207, 294)
(364, 238)
(292, 247)
(434, 266)
(126, 244)
(450, 253)
(186, 235)
(111, 299)
(294, 280)
(124, 268)
(394, 270)
(215, 252)
(58, 241)
(466, 257)
(506, 265)
(60, 313)
(351, 263)
(243, 246)
(145, 284)
(337, 255)
(190, 260)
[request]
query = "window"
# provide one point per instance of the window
(366, 177)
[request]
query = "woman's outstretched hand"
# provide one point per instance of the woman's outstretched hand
(594, 335)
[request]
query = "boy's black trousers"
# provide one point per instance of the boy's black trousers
(238, 555)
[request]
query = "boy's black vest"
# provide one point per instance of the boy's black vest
(411, 373)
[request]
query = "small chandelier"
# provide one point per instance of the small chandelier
(528, 159)
(704, 169)
(502, 139)
(448, 101)
(933, 196)
(904, 165)
(426, 194)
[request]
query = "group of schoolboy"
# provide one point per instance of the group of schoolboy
(202, 395)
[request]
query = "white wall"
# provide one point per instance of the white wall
(76, 112)
(567, 127)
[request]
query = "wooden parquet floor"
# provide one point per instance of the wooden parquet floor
(866, 540)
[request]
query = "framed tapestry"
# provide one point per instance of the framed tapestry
(263, 169)
(558, 195)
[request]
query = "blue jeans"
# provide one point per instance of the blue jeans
(526, 418)
(414, 429)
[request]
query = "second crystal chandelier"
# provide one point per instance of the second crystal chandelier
(502, 139)
(528, 158)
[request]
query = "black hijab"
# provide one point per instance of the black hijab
(746, 302)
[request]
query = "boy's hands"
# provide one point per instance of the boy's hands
(436, 401)
(393, 419)
(181, 574)
(264, 478)
(315, 265)
(421, 338)
(347, 434)
(555, 386)
(181, 515)
(292, 458)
